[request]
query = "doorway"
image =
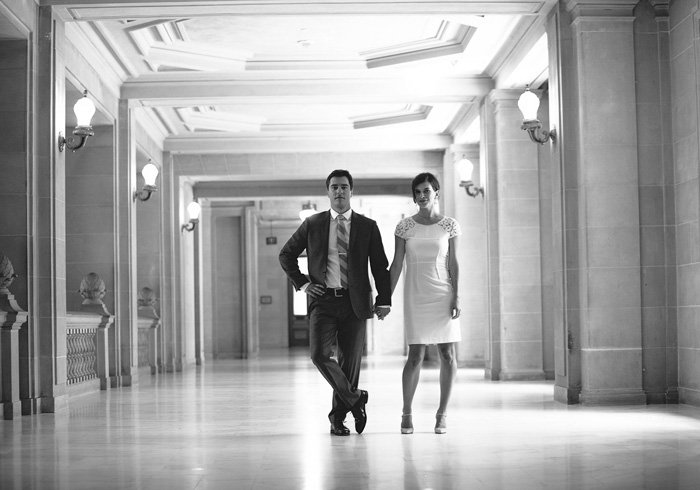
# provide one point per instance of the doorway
(299, 311)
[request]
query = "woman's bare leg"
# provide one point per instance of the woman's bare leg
(411, 375)
(448, 373)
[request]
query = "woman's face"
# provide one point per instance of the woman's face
(424, 195)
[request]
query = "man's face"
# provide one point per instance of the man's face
(339, 193)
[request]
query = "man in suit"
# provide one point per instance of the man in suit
(339, 244)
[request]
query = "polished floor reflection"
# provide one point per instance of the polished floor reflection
(261, 424)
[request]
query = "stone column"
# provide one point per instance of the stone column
(12, 317)
(170, 222)
(16, 155)
(515, 347)
(599, 207)
(125, 280)
(46, 342)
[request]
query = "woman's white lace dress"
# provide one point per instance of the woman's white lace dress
(427, 285)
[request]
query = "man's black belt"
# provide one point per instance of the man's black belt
(337, 292)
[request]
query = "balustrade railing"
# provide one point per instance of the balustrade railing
(87, 349)
(81, 354)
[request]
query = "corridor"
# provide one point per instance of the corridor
(261, 424)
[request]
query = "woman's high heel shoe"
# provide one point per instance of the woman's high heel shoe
(440, 423)
(406, 424)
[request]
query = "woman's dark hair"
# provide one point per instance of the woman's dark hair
(338, 173)
(424, 177)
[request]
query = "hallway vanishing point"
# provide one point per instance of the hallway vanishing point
(261, 424)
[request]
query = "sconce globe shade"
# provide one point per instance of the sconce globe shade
(529, 103)
(150, 173)
(84, 110)
(193, 210)
(465, 168)
(307, 210)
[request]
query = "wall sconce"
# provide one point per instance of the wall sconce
(307, 210)
(149, 172)
(529, 103)
(193, 210)
(84, 110)
(465, 168)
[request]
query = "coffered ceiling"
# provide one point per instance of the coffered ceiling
(241, 76)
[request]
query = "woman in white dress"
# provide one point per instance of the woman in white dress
(427, 241)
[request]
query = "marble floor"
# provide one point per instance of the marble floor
(261, 424)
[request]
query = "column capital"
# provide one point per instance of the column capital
(507, 96)
(661, 7)
(601, 8)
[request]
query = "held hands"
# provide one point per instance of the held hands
(381, 312)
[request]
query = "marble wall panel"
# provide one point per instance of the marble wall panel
(688, 367)
(521, 326)
(610, 247)
(651, 169)
(654, 286)
(687, 201)
(654, 365)
(519, 184)
(613, 287)
(520, 213)
(653, 252)
(688, 284)
(683, 109)
(613, 328)
(651, 206)
(685, 154)
(654, 332)
(518, 242)
(520, 270)
(682, 76)
(518, 155)
(688, 331)
(521, 357)
(678, 13)
(688, 242)
(611, 369)
(620, 169)
(517, 298)
(605, 198)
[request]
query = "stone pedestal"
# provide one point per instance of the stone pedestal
(12, 317)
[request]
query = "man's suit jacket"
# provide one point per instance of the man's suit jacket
(365, 245)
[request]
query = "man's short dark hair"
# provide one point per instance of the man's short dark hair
(424, 177)
(338, 173)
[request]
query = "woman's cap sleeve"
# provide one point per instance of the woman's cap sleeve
(401, 228)
(453, 228)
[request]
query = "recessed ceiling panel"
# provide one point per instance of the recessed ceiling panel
(309, 35)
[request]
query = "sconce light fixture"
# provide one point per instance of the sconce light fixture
(465, 168)
(149, 172)
(193, 210)
(529, 103)
(307, 210)
(84, 110)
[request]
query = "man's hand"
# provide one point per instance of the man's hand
(315, 290)
(381, 311)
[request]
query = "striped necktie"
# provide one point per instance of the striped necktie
(343, 251)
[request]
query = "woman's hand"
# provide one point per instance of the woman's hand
(455, 308)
